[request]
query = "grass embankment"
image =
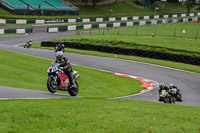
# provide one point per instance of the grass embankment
(120, 9)
(164, 41)
(10, 34)
(96, 115)
(182, 66)
(84, 114)
(30, 73)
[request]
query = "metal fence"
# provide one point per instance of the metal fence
(126, 51)
(176, 30)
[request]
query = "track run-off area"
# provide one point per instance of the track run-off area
(188, 82)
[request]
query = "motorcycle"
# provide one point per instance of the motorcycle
(177, 94)
(166, 97)
(163, 96)
(170, 95)
(58, 80)
(27, 45)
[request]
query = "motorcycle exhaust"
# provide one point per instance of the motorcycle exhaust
(76, 77)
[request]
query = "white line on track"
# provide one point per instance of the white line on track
(126, 74)
(128, 61)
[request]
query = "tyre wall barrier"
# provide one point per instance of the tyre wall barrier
(134, 52)
(17, 31)
(84, 20)
(119, 24)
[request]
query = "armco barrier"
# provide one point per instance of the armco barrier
(118, 24)
(75, 20)
(19, 31)
(125, 51)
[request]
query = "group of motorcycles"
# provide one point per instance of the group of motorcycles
(58, 80)
(170, 96)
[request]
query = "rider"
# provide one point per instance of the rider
(171, 86)
(64, 62)
(162, 87)
(29, 42)
(60, 47)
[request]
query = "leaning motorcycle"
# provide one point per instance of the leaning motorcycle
(170, 96)
(27, 45)
(166, 97)
(177, 94)
(58, 80)
(163, 96)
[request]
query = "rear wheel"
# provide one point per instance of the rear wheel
(52, 87)
(73, 91)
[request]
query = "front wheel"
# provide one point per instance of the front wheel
(73, 91)
(165, 100)
(179, 97)
(52, 87)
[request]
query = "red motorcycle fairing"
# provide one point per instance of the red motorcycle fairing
(64, 80)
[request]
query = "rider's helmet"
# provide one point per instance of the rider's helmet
(171, 85)
(60, 47)
(59, 55)
(162, 85)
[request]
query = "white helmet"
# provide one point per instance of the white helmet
(171, 84)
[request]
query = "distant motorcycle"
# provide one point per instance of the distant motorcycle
(170, 95)
(166, 97)
(28, 44)
(163, 96)
(177, 94)
(58, 80)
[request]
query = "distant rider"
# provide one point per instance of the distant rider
(60, 47)
(171, 86)
(65, 63)
(29, 42)
(162, 87)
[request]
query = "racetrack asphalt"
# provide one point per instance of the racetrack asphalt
(188, 82)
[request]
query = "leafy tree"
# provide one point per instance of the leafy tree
(94, 3)
(189, 5)
(85, 1)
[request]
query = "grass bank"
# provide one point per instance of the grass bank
(30, 73)
(182, 66)
(168, 38)
(10, 34)
(118, 10)
(96, 115)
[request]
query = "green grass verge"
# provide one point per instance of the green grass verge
(11, 34)
(30, 73)
(182, 66)
(96, 115)
(118, 10)
(164, 41)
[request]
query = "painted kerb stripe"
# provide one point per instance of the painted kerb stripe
(118, 24)
(10, 21)
(2, 21)
(1, 31)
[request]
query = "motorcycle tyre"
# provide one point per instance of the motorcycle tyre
(179, 97)
(49, 85)
(173, 100)
(165, 100)
(168, 98)
(73, 91)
